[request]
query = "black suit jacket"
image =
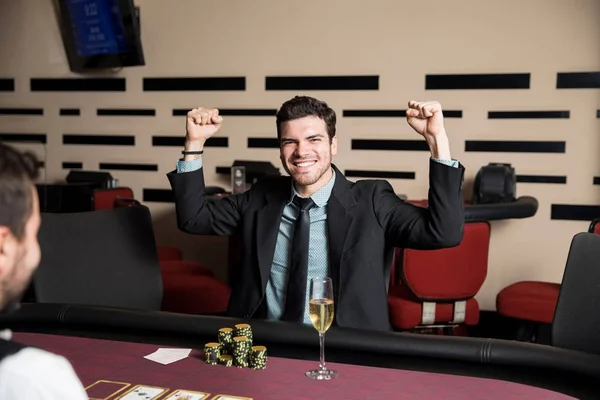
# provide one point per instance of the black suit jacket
(365, 219)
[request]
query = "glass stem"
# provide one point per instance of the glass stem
(322, 345)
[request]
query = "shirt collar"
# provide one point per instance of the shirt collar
(321, 196)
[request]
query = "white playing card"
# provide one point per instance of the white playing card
(141, 392)
(187, 395)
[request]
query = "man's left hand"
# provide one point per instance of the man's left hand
(426, 118)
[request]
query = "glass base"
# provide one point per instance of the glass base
(322, 374)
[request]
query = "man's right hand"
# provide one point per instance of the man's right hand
(201, 124)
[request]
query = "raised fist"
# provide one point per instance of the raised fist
(202, 123)
(426, 118)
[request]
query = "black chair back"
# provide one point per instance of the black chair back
(576, 323)
(102, 258)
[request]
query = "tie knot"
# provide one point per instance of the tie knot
(303, 203)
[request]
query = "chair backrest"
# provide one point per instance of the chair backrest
(105, 198)
(576, 323)
(105, 258)
(595, 226)
(451, 273)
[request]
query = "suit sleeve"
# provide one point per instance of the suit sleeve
(200, 216)
(438, 226)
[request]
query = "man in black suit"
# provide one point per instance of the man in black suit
(315, 222)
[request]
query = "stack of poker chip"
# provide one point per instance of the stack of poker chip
(225, 338)
(212, 352)
(243, 330)
(241, 351)
(234, 347)
(258, 357)
(226, 360)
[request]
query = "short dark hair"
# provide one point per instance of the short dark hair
(305, 106)
(18, 172)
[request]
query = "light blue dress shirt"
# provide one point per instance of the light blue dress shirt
(318, 252)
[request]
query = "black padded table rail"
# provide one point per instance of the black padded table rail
(571, 372)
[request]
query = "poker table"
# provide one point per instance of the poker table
(110, 344)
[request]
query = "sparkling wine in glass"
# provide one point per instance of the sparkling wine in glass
(321, 315)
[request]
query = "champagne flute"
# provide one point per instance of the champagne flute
(321, 315)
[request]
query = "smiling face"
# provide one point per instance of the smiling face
(306, 152)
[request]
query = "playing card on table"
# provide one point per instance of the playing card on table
(142, 392)
(187, 395)
(168, 356)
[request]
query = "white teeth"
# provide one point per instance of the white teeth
(305, 164)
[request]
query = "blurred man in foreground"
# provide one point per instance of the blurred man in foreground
(25, 372)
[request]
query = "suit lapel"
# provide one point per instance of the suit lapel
(339, 223)
(340, 215)
(268, 219)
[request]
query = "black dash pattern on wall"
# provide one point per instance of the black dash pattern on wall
(263, 143)
(21, 111)
(354, 82)
(164, 84)
(356, 173)
(597, 113)
(392, 113)
(597, 180)
(389, 144)
(574, 212)
(578, 80)
(233, 112)
(72, 165)
(529, 114)
(477, 81)
(7, 85)
(504, 146)
(128, 167)
(70, 112)
(23, 137)
(158, 195)
(78, 84)
(179, 141)
(126, 112)
(101, 140)
(541, 179)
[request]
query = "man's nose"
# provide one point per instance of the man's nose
(302, 149)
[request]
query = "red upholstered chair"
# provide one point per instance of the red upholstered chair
(169, 253)
(533, 303)
(436, 288)
(186, 267)
(194, 294)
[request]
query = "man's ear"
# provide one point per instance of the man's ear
(8, 248)
(334, 143)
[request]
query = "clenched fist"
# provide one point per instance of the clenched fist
(426, 118)
(202, 123)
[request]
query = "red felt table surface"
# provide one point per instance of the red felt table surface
(95, 359)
